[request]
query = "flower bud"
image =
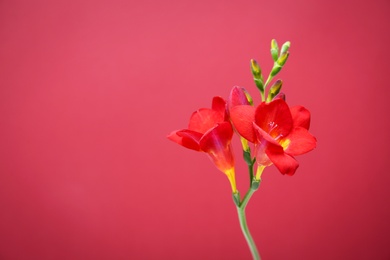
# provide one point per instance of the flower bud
(285, 47)
(274, 49)
(256, 71)
(283, 58)
(274, 90)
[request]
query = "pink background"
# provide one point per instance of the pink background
(90, 89)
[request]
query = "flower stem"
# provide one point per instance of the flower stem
(268, 81)
(244, 225)
(250, 162)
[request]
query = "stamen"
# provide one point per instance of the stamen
(272, 127)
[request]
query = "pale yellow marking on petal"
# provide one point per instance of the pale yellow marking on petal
(285, 143)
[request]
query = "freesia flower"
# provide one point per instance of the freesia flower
(210, 131)
(278, 132)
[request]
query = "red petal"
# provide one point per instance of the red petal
(262, 143)
(263, 137)
(186, 138)
(204, 119)
(301, 116)
(216, 143)
(299, 141)
(242, 118)
(285, 163)
(215, 138)
(219, 106)
(274, 118)
(237, 97)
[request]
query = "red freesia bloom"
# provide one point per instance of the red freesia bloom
(278, 132)
(209, 131)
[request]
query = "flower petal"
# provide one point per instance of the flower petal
(285, 163)
(274, 118)
(242, 118)
(274, 152)
(263, 140)
(298, 142)
(301, 116)
(215, 138)
(204, 119)
(237, 97)
(216, 143)
(219, 106)
(186, 138)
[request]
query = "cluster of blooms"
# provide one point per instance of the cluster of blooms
(275, 131)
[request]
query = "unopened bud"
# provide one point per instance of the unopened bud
(274, 49)
(256, 71)
(283, 58)
(274, 44)
(275, 89)
(285, 47)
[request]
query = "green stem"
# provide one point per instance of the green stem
(262, 93)
(265, 87)
(250, 162)
(268, 81)
(250, 168)
(244, 225)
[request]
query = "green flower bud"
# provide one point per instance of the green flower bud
(274, 44)
(274, 90)
(274, 49)
(285, 47)
(283, 58)
(256, 71)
